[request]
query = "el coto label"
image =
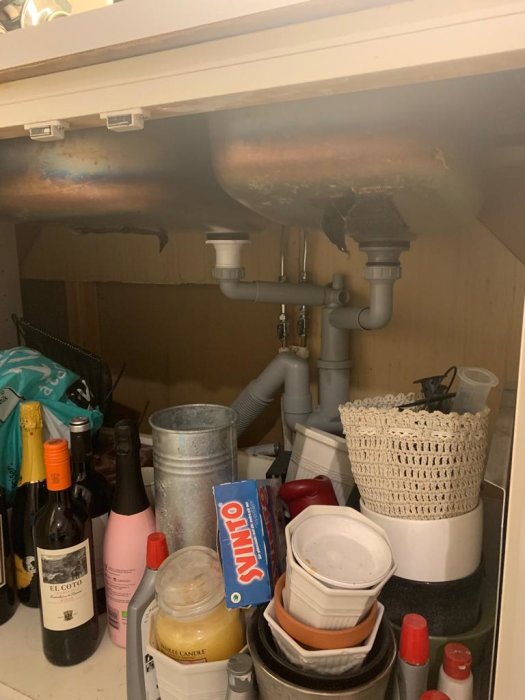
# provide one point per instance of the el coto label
(65, 586)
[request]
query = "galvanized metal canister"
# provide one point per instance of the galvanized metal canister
(194, 448)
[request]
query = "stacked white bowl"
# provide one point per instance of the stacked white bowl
(315, 593)
(337, 563)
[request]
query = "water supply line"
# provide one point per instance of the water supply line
(302, 318)
(283, 327)
(289, 369)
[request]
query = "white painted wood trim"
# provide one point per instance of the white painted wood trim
(134, 24)
(402, 43)
(511, 643)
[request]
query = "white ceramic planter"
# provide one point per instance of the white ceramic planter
(434, 550)
(330, 661)
(313, 602)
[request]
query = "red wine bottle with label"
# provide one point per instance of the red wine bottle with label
(30, 496)
(7, 572)
(92, 489)
(65, 564)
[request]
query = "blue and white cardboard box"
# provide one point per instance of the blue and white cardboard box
(243, 545)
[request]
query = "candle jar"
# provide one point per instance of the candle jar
(192, 623)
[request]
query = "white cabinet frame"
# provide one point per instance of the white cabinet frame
(406, 42)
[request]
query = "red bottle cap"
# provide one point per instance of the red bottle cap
(434, 695)
(157, 550)
(413, 643)
(457, 661)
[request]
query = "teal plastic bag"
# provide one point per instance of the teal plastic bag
(26, 375)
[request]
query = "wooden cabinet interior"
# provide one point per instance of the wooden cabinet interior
(459, 302)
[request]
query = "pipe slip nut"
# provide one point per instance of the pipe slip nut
(388, 272)
(228, 273)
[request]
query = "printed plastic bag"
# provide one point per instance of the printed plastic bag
(25, 375)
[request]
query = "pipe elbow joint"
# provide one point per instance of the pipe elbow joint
(228, 288)
(379, 311)
(237, 290)
(373, 319)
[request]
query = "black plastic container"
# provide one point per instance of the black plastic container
(450, 607)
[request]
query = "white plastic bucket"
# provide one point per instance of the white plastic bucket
(315, 452)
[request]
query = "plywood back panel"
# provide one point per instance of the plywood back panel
(58, 252)
(459, 302)
(10, 296)
(184, 344)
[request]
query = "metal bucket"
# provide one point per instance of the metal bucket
(194, 448)
(272, 687)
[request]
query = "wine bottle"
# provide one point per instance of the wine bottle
(92, 489)
(65, 564)
(130, 522)
(30, 496)
(7, 573)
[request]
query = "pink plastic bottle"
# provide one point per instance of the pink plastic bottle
(130, 522)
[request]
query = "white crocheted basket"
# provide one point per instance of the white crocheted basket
(414, 464)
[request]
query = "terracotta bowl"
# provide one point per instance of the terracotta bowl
(318, 638)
